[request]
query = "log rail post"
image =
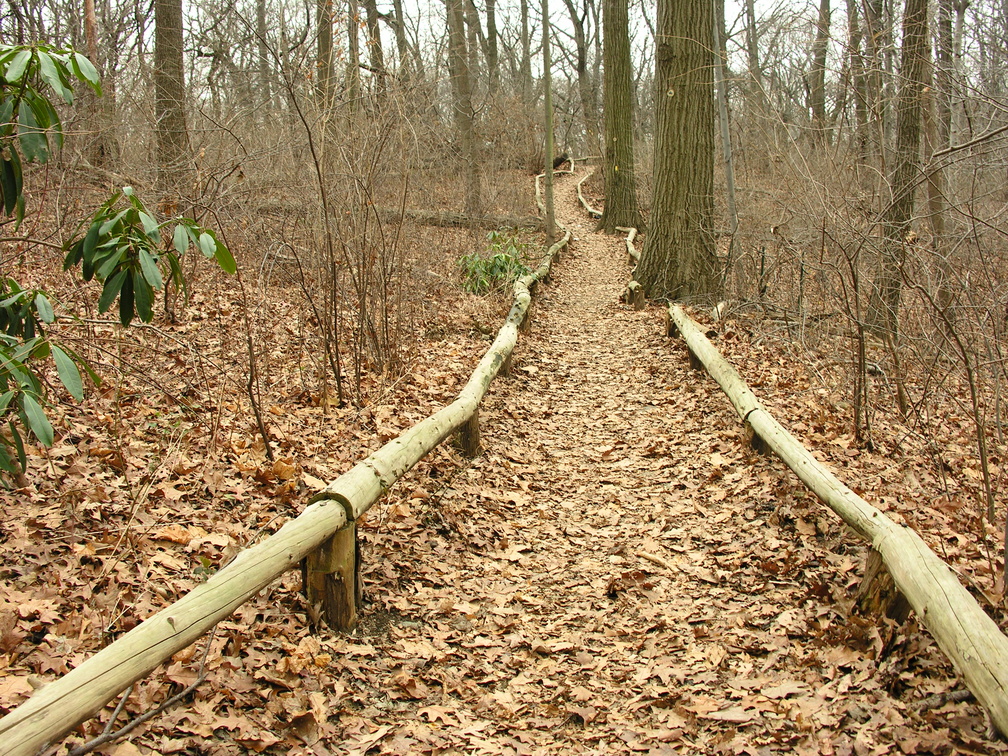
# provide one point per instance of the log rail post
(323, 536)
(962, 629)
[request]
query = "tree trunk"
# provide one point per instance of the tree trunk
(458, 70)
(585, 89)
(493, 54)
(526, 54)
(678, 260)
(473, 34)
(621, 207)
(353, 84)
(324, 52)
(548, 126)
(884, 306)
(721, 51)
(758, 94)
(174, 169)
(859, 76)
(817, 93)
(102, 151)
(402, 46)
(262, 55)
(375, 53)
(944, 77)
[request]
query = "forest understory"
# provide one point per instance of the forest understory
(617, 572)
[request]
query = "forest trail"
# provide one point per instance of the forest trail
(617, 572)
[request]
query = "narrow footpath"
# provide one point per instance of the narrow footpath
(617, 572)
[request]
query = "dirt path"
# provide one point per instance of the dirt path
(618, 572)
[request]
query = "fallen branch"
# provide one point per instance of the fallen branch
(655, 559)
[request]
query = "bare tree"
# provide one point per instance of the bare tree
(465, 117)
(174, 168)
(678, 258)
(621, 207)
(899, 213)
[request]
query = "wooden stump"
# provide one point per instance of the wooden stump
(469, 435)
(526, 324)
(634, 295)
(332, 579)
(694, 362)
(756, 442)
(878, 594)
(671, 329)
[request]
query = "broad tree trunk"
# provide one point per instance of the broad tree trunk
(678, 260)
(458, 70)
(174, 169)
(621, 207)
(884, 305)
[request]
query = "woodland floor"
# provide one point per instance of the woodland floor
(617, 572)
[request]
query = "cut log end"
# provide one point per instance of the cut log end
(878, 595)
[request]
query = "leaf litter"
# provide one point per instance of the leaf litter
(617, 572)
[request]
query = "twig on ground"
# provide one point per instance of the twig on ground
(654, 559)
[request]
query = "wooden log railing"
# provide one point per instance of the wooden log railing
(962, 629)
(592, 211)
(320, 532)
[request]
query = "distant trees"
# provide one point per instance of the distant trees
(678, 259)
(914, 77)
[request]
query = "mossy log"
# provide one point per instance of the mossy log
(58, 707)
(964, 632)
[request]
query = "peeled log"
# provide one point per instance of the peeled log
(56, 708)
(964, 632)
(594, 213)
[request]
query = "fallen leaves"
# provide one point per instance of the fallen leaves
(617, 573)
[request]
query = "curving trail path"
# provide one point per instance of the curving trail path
(617, 572)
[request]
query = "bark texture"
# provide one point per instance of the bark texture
(458, 70)
(621, 208)
(174, 170)
(963, 630)
(678, 260)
